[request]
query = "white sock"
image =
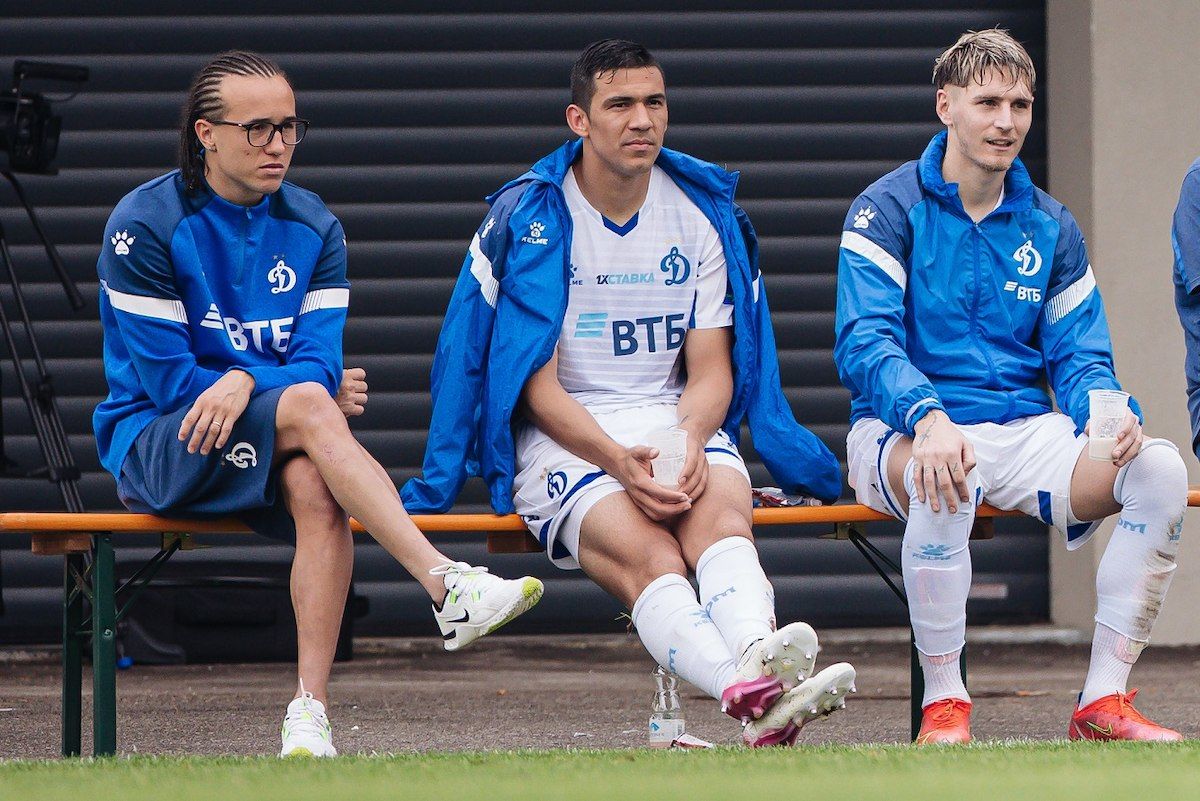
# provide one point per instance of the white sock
(735, 592)
(1113, 655)
(943, 678)
(936, 565)
(678, 633)
(1138, 564)
(1139, 561)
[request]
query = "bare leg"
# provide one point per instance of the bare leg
(320, 571)
(897, 461)
(1092, 488)
(624, 551)
(724, 510)
(307, 421)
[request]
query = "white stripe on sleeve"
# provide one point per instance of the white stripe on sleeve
(916, 407)
(325, 299)
(1070, 298)
(481, 268)
(145, 306)
(857, 243)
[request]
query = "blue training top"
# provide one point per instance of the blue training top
(192, 286)
(937, 311)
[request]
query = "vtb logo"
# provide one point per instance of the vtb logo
(280, 331)
(282, 276)
(677, 265)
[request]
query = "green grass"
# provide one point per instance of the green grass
(1018, 770)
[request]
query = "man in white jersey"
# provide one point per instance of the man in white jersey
(645, 345)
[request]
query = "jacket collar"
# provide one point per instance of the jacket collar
(683, 169)
(1018, 187)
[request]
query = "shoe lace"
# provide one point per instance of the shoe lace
(305, 719)
(946, 711)
(460, 575)
(1125, 708)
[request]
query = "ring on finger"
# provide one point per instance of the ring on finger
(215, 424)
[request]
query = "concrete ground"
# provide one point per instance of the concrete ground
(555, 692)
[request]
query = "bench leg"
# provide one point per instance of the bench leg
(104, 649)
(916, 689)
(72, 657)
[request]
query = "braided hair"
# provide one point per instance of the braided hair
(204, 101)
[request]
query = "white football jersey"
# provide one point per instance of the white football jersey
(635, 291)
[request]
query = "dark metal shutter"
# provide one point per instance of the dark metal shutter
(416, 116)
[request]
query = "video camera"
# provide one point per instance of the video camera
(28, 127)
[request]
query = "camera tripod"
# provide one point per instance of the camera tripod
(38, 396)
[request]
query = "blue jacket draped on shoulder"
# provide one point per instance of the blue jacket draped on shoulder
(507, 311)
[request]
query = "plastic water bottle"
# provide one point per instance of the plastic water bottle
(666, 717)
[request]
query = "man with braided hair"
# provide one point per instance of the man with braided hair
(223, 299)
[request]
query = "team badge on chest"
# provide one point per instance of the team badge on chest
(282, 276)
(677, 265)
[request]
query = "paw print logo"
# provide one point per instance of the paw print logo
(535, 229)
(121, 241)
(863, 217)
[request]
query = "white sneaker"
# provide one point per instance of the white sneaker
(478, 603)
(769, 668)
(306, 731)
(813, 698)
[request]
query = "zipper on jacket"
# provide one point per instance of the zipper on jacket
(976, 333)
(241, 272)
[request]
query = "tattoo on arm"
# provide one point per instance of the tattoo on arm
(932, 419)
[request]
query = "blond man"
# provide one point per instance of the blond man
(963, 291)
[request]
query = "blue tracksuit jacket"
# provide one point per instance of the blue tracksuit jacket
(1185, 241)
(936, 311)
(193, 286)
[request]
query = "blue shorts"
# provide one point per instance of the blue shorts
(160, 477)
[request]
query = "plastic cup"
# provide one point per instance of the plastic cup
(1106, 411)
(672, 453)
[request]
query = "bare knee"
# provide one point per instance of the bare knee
(307, 408)
(663, 558)
(309, 500)
(730, 523)
(696, 538)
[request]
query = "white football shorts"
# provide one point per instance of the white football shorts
(554, 489)
(1024, 464)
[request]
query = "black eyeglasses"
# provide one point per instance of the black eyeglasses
(260, 134)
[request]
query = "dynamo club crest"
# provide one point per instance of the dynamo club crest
(677, 265)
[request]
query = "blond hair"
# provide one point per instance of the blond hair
(976, 53)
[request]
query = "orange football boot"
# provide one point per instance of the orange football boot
(945, 722)
(1114, 718)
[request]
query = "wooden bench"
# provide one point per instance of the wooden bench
(89, 575)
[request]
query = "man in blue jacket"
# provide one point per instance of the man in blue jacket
(223, 298)
(1185, 241)
(612, 293)
(962, 289)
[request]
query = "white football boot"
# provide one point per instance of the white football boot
(768, 669)
(478, 603)
(306, 730)
(813, 698)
